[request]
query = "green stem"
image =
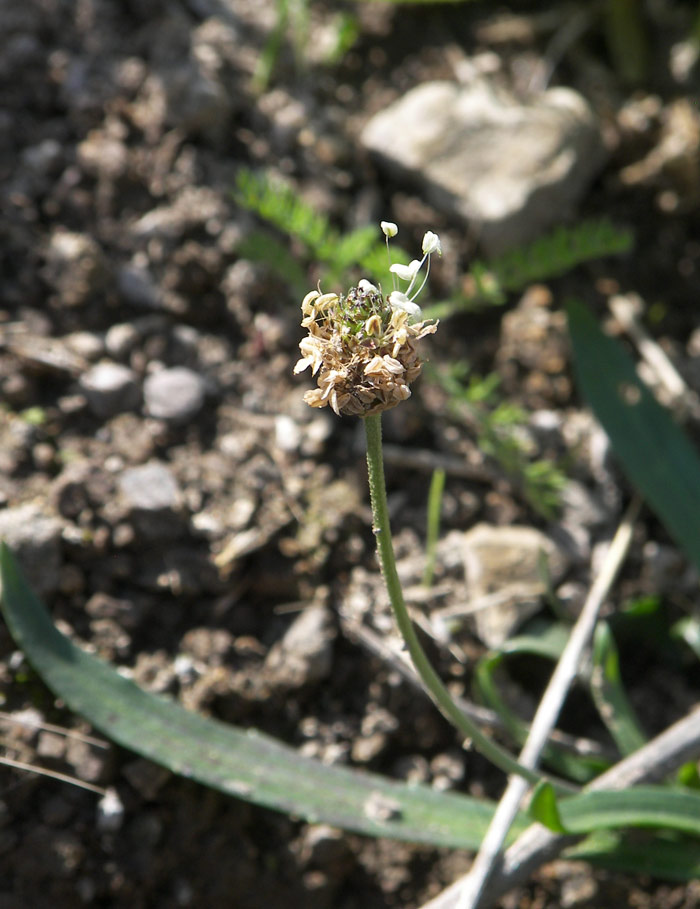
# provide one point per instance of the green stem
(432, 682)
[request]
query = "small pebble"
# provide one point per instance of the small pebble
(150, 487)
(175, 395)
(85, 344)
(137, 286)
(121, 339)
(110, 388)
(110, 812)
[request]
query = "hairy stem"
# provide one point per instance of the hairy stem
(430, 679)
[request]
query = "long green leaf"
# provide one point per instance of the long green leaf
(655, 454)
(246, 764)
(638, 806)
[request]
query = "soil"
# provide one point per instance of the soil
(123, 128)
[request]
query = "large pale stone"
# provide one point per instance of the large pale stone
(504, 578)
(510, 168)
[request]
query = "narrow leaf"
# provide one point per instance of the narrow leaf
(638, 806)
(609, 695)
(655, 454)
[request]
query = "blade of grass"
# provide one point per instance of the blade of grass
(659, 758)
(609, 695)
(688, 630)
(437, 487)
(638, 806)
(544, 808)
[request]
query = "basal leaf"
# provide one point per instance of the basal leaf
(654, 453)
(243, 763)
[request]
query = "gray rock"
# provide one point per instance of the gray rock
(110, 388)
(504, 579)
(187, 98)
(175, 395)
(304, 655)
(150, 487)
(138, 287)
(44, 157)
(150, 499)
(35, 539)
(510, 168)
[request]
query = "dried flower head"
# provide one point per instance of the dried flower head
(361, 345)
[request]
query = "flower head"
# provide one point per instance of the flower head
(361, 346)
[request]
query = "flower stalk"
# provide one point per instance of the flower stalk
(434, 686)
(361, 349)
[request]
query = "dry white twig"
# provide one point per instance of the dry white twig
(52, 774)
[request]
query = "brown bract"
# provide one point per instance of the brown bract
(361, 350)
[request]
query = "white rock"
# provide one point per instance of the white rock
(150, 487)
(503, 576)
(510, 168)
(110, 812)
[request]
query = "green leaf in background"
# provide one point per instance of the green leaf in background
(437, 486)
(246, 764)
(543, 807)
(655, 454)
(609, 695)
(554, 253)
(689, 776)
(665, 856)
